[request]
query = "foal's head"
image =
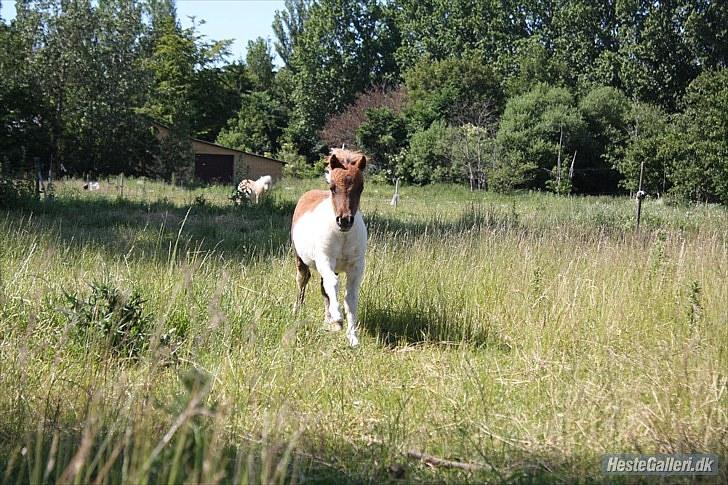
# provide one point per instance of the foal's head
(346, 183)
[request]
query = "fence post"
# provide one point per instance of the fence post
(641, 194)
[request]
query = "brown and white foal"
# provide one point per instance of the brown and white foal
(329, 236)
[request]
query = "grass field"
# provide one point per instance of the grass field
(526, 335)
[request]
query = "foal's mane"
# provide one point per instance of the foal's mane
(347, 157)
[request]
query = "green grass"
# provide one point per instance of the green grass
(530, 334)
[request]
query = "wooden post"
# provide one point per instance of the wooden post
(395, 197)
(558, 161)
(640, 196)
(121, 184)
(38, 176)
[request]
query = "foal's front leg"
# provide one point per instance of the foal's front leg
(330, 284)
(351, 303)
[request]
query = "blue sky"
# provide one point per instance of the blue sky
(241, 20)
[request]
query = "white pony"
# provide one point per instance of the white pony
(255, 189)
(329, 236)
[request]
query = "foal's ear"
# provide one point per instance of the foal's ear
(362, 163)
(334, 162)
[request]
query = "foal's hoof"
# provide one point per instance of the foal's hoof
(333, 326)
(353, 341)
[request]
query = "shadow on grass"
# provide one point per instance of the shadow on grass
(151, 230)
(395, 326)
(475, 217)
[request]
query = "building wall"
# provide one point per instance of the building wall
(246, 166)
(259, 166)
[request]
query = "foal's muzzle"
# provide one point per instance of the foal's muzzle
(344, 222)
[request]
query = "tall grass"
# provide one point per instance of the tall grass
(526, 334)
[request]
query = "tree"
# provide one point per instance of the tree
(21, 134)
(697, 149)
(655, 60)
(537, 129)
(605, 111)
(707, 33)
(257, 126)
(428, 158)
(287, 26)
(177, 62)
(260, 63)
(646, 128)
(342, 128)
(382, 136)
(439, 89)
(81, 66)
(215, 95)
(59, 41)
(440, 29)
(346, 47)
(474, 145)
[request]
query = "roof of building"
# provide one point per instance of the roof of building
(224, 147)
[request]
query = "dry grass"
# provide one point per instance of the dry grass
(528, 334)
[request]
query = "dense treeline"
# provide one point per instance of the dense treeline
(566, 95)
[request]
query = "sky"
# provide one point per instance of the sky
(241, 20)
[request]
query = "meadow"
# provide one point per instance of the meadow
(150, 338)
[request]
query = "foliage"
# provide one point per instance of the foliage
(259, 60)
(475, 152)
(382, 136)
(428, 158)
(342, 128)
(175, 160)
(655, 60)
(442, 29)
(113, 316)
(297, 166)
(605, 111)
(439, 89)
(79, 82)
(257, 126)
(696, 150)
(646, 128)
(536, 129)
(14, 187)
(287, 26)
(346, 47)
(215, 98)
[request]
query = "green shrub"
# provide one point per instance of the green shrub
(109, 313)
(428, 158)
(13, 189)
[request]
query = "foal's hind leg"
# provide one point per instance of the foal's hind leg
(335, 326)
(303, 274)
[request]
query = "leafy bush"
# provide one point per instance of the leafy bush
(428, 158)
(13, 189)
(296, 164)
(510, 172)
(697, 147)
(109, 313)
(533, 129)
(257, 126)
(606, 112)
(439, 89)
(646, 126)
(382, 136)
